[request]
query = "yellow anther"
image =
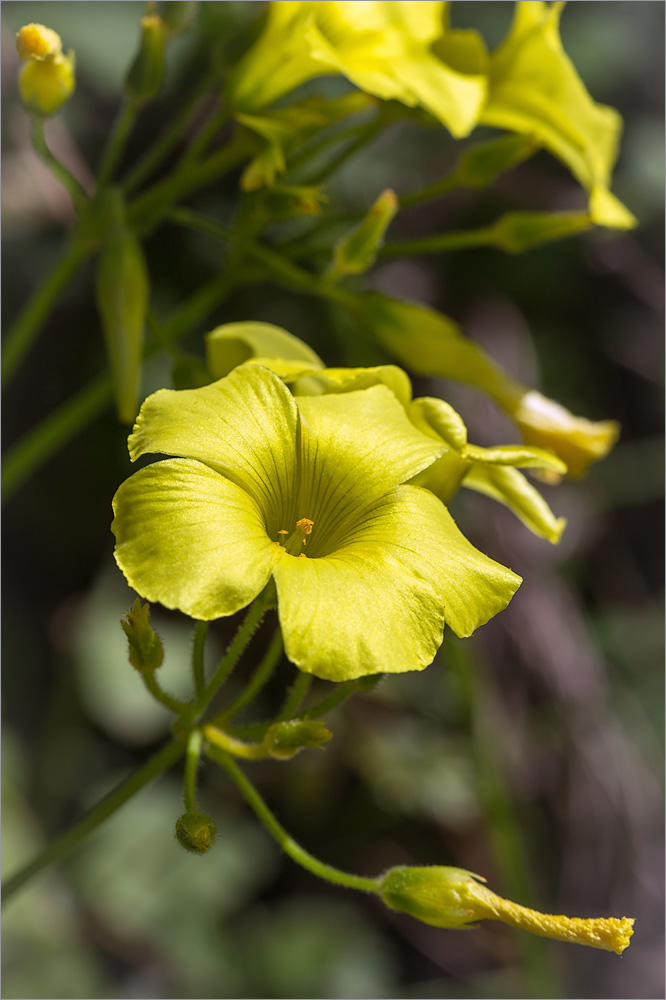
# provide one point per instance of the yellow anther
(305, 525)
(34, 41)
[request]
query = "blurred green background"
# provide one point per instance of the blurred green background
(532, 754)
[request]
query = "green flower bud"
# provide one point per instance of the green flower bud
(516, 232)
(454, 898)
(356, 251)
(145, 646)
(144, 78)
(122, 300)
(284, 739)
(196, 832)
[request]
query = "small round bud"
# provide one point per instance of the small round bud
(34, 41)
(45, 85)
(196, 832)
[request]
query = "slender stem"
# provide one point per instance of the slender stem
(26, 326)
(43, 440)
(258, 680)
(116, 143)
(192, 758)
(484, 237)
(367, 133)
(201, 142)
(169, 138)
(58, 169)
(450, 183)
(149, 208)
(173, 704)
(295, 278)
(235, 649)
(317, 146)
(342, 692)
(200, 223)
(198, 673)
(277, 831)
(229, 744)
(157, 764)
(297, 693)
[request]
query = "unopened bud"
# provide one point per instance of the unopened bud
(454, 898)
(145, 646)
(516, 232)
(482, 164)
(47, 79)
(196, 832)
(144, 78)
(284, 739)
(356, 251)
(177, 14)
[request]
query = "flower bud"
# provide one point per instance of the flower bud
(122, 301)
(196, 832)
(47, 79)
(482, 164)
(145, 646)
(516, 232)
(34, 41)
(144, 78)
(284, 739)
(454, 898)
(356, 251)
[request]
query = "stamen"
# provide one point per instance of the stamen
(298, 537)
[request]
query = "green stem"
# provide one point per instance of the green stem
(484, 237)
(148, 209)
(26, 326)
(297, 693)
(169, 138)
(161, 761)
(192, 758)
(230, 744)
(116, 143)
(198, 673)
(435, 190)
(258, 680)
(173, 704)
(58, 169)
(277, 831)
(366, 134)
(201, 142)
(343, 692)
(42, 441)
(200, 223)
(312, 149)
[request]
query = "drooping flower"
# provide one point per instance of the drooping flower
(382, 46)
(309, 491)
(534, 88)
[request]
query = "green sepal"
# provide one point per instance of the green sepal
(146, 652)
(196, 832)
(357, 250)
(122, 300)
(283, 740)
(145, 75)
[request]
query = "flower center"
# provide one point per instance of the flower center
(295, 542)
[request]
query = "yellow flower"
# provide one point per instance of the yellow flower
(47, 79)
(382, 46)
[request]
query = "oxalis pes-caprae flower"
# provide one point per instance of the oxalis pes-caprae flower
(308, 491)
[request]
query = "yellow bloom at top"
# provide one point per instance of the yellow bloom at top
(382, 46)
(34, 41)
(47, 79)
